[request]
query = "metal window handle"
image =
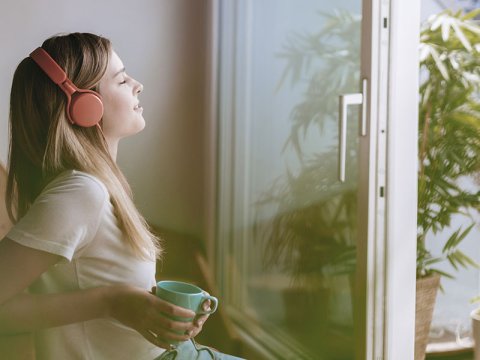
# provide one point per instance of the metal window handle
(345, 101)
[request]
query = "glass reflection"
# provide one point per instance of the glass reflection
(301, 257)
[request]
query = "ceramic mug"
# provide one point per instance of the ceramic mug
(187, 296)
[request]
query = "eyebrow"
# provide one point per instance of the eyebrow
(119, 72)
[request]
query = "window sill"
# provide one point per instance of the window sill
(451, 350)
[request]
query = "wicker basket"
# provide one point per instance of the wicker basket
(425, 301)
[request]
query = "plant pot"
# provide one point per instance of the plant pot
(475, 316)
(424, 304)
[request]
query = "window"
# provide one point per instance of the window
(277, 172)
(290, 234)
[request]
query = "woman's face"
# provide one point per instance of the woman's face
(122, 114)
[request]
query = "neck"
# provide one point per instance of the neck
(112, 148)
(112, 144)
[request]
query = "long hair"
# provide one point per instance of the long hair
(43, 143)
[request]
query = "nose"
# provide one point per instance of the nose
(139, 88)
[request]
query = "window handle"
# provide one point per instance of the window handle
(344, 101)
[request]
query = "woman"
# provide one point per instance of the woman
(79, 245)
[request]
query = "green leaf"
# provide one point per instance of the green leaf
(461, 36)
(452, 260)
(445, 26)
(450, 242)
(442, 273)
(467, 261)
(440, 65)
(471, 15)
(432, 261)
(462, 236)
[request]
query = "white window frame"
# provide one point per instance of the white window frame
(402, 159)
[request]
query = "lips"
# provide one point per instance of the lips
(138, 108)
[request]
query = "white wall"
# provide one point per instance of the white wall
(163, 44)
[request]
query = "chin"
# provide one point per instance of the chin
(139, 127)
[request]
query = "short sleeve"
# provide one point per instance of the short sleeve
(65, 216)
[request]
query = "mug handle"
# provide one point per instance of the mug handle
(213, 308)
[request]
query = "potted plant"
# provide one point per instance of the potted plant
(449, 148)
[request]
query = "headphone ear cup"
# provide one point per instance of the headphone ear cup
(85, 109)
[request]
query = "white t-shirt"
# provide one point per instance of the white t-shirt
(73, 218)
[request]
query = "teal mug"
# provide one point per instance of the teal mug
(187, 296)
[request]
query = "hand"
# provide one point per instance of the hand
(198, 321)
(142, 311)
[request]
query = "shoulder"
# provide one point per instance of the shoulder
(65, 216)
(75, 186)
(77, 181)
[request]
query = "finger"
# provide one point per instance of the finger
(201, 320)
(195, 332)
(162, 322)
(198, 326)
(206, 305)
(174, 310)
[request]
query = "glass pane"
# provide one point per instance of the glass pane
(294, 221)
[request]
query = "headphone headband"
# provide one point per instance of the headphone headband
(49, 66)
(84, 107)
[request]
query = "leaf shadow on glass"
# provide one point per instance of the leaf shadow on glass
(310, 233)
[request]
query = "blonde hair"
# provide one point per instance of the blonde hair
(43, 143)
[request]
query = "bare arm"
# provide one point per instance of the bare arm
(136, 308)
(19, 267)
(20, 312)
(25, 312)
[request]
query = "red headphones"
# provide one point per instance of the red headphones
(84, 107)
